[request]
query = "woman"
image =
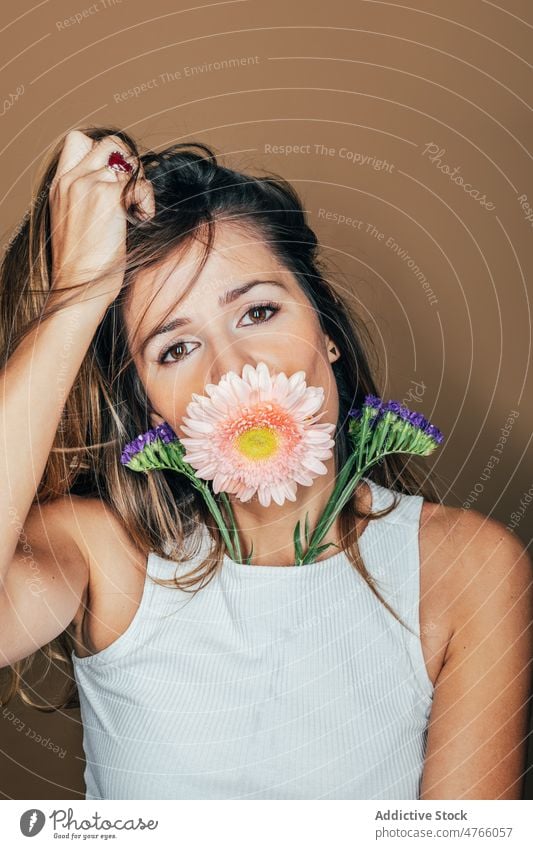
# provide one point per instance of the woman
(395, 668)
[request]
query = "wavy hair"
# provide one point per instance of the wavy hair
(107, 405)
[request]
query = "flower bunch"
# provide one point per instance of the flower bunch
(258, 435)
(376, 429)
(160, 448)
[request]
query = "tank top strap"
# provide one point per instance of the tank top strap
(407, 506)
(198, 543)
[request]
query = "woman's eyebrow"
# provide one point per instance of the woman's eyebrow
(225, 299)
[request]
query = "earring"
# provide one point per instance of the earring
(333, 350)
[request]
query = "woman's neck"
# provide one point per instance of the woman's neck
(271, 529)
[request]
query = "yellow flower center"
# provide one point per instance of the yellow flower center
(258, 443)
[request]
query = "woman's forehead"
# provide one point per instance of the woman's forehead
(235, 253)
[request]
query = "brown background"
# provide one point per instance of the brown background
(449, 306)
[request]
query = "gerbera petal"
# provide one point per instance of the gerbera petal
(207, 471)
(297, 377)
(281, 386)
(198, 425)
(249, 374)
(290, 490)
(241, 391)
(264, 382)
(309, 405)
(278, 494)
(264, 496)
(220, 482)
(315, 465)
(300, 477)
(316, 437)
(294, 396)
(224, 393)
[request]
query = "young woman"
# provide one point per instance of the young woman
(395, 668)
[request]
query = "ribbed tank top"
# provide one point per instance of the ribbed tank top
(270, 682)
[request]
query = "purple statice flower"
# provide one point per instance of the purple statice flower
(163, 432)
(370, 401)
(434, 433)
(415, 419)
(396, 408)
(373, 401)
(418, 420)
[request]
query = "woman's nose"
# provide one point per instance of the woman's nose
(231, 361)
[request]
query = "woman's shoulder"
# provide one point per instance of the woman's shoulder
(468, 555)
(465, 559)
(97, 529)
(463, 531)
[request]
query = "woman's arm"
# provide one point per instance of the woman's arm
(43, 566)
(477, 736)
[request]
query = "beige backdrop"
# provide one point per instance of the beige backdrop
(406, 129)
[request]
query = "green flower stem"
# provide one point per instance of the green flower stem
(334, 506)
(382, 431)
(325, 520)
(339, 487)
(368, 414)
(215, 511)
(163, 458)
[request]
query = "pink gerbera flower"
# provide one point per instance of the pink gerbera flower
(258, 434)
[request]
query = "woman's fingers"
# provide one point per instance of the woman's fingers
(143, 196)
(75, 148)
(83, 156)
(97, 161)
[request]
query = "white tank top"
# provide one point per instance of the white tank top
(269, 683)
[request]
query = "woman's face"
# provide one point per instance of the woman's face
(222, 329)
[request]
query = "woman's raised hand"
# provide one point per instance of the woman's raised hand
(88, 216)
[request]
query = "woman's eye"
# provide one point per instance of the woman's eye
(259, 308)
(255, 310)
(170, 350)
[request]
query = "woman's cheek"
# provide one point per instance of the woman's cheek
(168, 395)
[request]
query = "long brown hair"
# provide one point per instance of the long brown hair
(107, 406)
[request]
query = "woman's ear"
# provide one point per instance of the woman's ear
(332, 349)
